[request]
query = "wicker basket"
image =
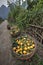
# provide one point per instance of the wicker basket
(24, 57)
(15, 34)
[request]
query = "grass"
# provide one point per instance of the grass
(11, 23)
(0, 22)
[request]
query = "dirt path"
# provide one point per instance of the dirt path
(5, 45)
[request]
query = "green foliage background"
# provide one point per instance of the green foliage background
(22, 17)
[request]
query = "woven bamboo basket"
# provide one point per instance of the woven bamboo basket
(24, 57)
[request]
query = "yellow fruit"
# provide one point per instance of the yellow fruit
(21, 43)
(24, 52)
(28, 43)
(28, 47)
(11, 33)
(25, 45)
(17, 50)
(17, 41)
(25, 48)
(14, 48)
(18, 47)
(20, 52)
(33, 45)
(24, 38)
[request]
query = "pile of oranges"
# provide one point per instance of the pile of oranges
(14, 30)
(25, 46)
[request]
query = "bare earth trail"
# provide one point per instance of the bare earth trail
(5, 46)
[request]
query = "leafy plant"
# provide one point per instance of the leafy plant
(23, 17)
(36, 13)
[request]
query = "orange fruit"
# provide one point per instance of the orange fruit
(24, 38)
(24, 52)
(25, 48)
(33, 45)
(17, 50)
(25, 45)
(28, 43)
(21, 43)
(17, 41)
(20, 52)
(14, 48)
(28, 47)
(18, 47)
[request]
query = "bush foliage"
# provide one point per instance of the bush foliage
(1, 20)
(33, 14)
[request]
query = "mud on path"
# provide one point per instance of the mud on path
(5, 45)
